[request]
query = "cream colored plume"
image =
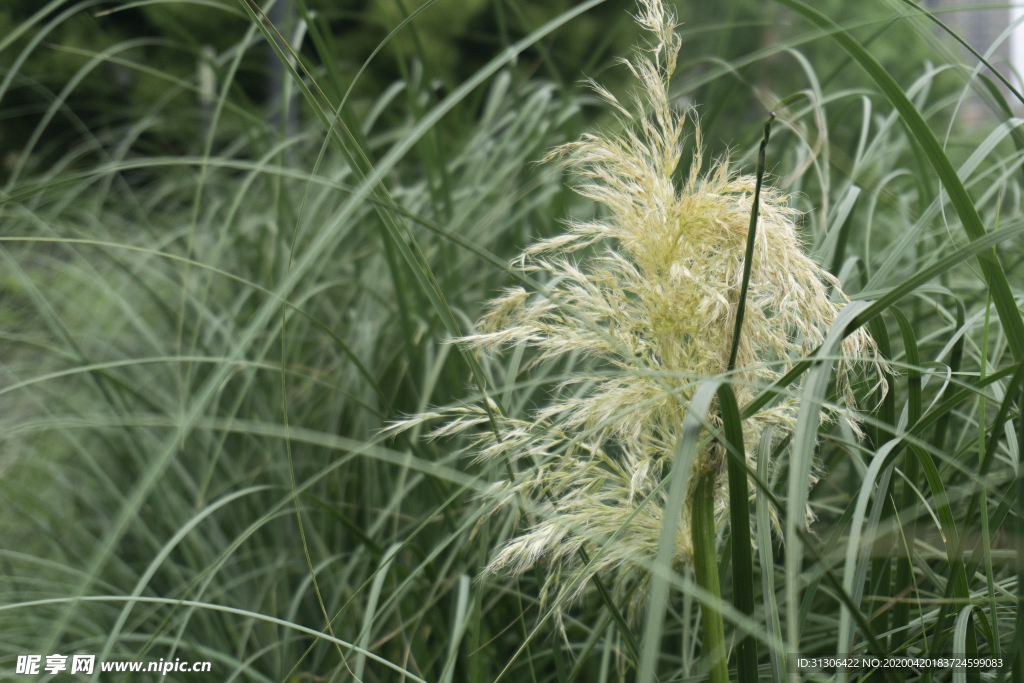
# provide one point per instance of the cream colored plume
(648, 295)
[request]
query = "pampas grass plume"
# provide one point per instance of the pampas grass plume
(648, 292)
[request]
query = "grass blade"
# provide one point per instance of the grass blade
(739, 521)
(764, 543)
(812, 398)
(705, 569)
(882, 431)
(458, 629)
(371, 608)
(964, 644)
(680, 475)
(904, 565)
(1017, 648)
(857, 555)
(748, 257)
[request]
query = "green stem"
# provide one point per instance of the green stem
(705, 567)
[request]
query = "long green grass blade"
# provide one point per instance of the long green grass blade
(739, 522)
(458, 629)
(767, 562)
(905, 563)
(371, 608)
(812, 398)
(748, 255)
(686, 452)
(1017, 647)
(858, 553)
(878, 554)
(705, 568)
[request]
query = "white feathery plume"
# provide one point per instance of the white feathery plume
(656, 307)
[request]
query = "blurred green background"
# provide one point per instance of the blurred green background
(151, 43)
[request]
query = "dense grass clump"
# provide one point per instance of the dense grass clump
(204, 344)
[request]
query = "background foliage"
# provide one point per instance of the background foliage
(445, 45)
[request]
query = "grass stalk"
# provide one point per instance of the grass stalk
(908, 500)
(705, 568)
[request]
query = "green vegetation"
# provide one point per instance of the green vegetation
(230, 261)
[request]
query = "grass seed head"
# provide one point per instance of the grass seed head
(654, 301)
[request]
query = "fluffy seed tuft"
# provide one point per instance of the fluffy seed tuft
(653, 311)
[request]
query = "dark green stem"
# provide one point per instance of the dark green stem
(748, 258)
(705, 567)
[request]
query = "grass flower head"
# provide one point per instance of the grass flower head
(652, 304)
